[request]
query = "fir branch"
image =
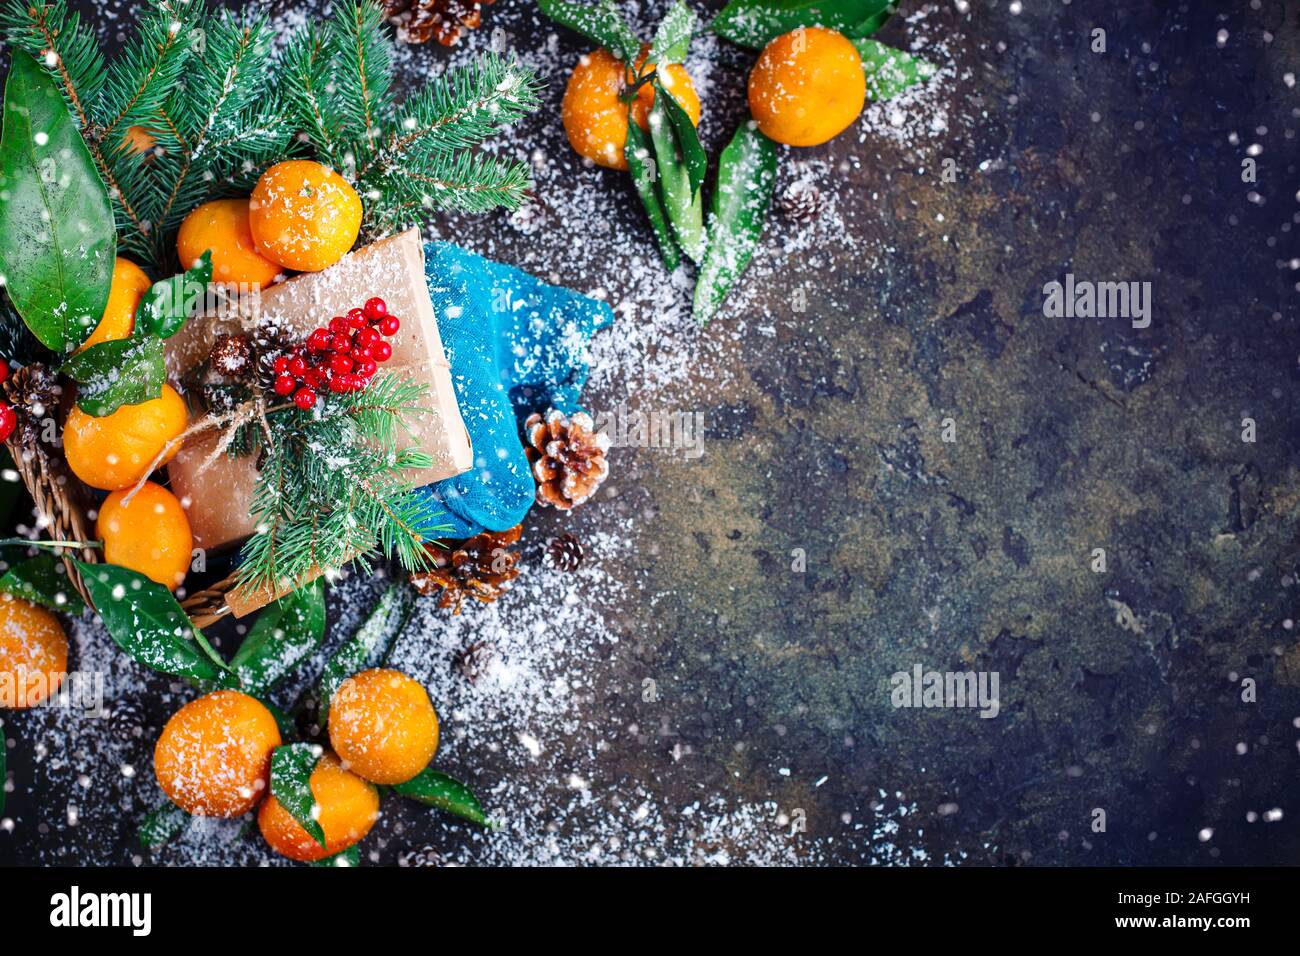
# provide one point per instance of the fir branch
(144, 74)
(214, 95)
(219, 129)
(389, 402)
(464, 182)
(126, 177)
(363, 76)
(306, 81)
(333, 488)
(464, 107)
(54, 36)
(169, 128)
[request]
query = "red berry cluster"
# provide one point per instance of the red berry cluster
(342, 357)
(8, 417)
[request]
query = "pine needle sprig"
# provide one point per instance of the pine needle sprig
(363, 76)
(410, 159)
(220, 128)
(306, 79)
(145, 73)
(468, 104)
(427, 160)
(384, 410)
(130, 184)
(463, 182)
(332, 487)
(55, 36)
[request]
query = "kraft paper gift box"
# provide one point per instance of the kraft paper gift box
(217, 497)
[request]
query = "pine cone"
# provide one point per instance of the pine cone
(127, 719)
(34, 392)
(425, 856)
(268, 344)
(801, 202)
(474, 660)
(568, 457)
(232, 356)
(565, 552)
(419, 21)
(480, 567)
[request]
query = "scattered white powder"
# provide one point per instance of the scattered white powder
(545, 705)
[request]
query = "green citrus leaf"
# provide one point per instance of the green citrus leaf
(673, 37)
(368, 647)
(145, 620)
(872, 23)
(641, 164)
(684, 205)
(890, 71)
(601, 23)
(285, 634)
(162, 825)
(344, 858)
(746, 179)
(437, 789)
(116, 373)
(42, 581)
(287, 725)
(688, 141)
(57, 239)
(755, 23)
(291, 767)
(169, 302)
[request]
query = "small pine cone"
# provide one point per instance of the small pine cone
(568, 457)
(474, 660)
(34, 392)
(419, 21)
(126, 719)
(218, 397)
(801, 202)
(480, 567)
(232, 356)
(565, 552)
(268, 344)
(425, 856)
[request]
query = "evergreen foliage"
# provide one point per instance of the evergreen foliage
(193, 80)
(406, 159)
(221, 109)
(331, 488)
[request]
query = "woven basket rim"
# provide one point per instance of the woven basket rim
(62, 503)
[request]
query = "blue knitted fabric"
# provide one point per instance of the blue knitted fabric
(516, 346)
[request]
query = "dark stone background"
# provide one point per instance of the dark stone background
(1073, 434)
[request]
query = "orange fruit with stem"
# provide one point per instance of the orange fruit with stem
(213, 757)
(33, 654)
(124, 295)
(116, 450)
(594, 116)
(383, 726)
(303, 215)
(807, 87)
(222, 227)
(149, 534)
(347, 807)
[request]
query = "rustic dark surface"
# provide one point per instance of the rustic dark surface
(1117, 688)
